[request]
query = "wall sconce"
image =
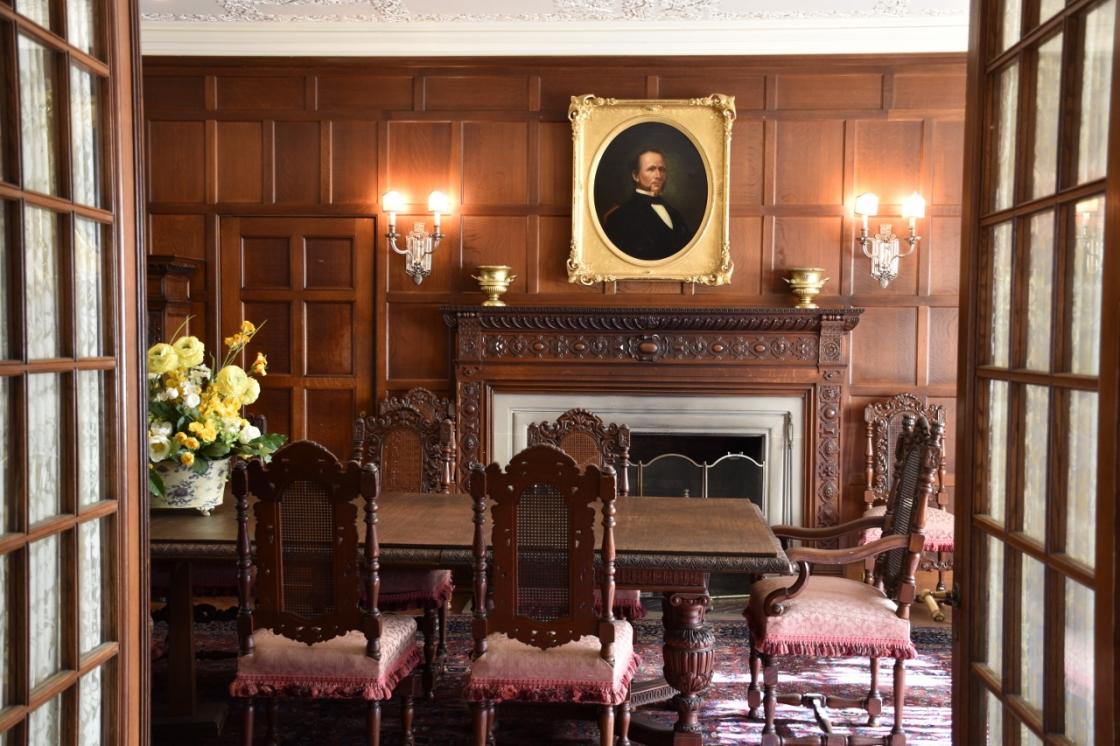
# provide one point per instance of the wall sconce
(883, 248)
(419, 245)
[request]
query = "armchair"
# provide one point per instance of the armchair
(302, 629)
(588, 440)
(542, 641)
(412, 443)
(826, 616)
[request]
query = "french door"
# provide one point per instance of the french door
(70, 458)
(1035, 660)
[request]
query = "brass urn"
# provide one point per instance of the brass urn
(494, 279)
(806, 284)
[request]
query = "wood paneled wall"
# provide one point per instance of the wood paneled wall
(240, 137)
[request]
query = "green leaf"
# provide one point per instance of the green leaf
(200, 466)
(155, 483)
(270, 441)
(216, 450)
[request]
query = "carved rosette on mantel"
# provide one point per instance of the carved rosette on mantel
(696, 351)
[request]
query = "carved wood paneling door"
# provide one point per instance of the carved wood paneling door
(310, 281)
(1035, 660)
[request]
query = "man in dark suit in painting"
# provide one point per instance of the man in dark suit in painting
(644, 226)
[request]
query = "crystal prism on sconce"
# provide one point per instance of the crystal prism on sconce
(419, 244)
(884, 248)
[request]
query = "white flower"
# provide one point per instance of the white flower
(171, 393)
(192, 400)
(159, 447)
(248, 434)
(163, 427)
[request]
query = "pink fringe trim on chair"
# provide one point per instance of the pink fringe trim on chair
(326, 687)
(838, 648)
(546, 690)
(413, 599)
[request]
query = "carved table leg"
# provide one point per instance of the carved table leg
(688, 654)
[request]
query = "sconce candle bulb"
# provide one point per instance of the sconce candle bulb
(883, 249)
(419, 244)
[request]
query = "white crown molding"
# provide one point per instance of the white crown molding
(808, 35)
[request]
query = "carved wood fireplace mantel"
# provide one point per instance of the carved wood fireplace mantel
(652, 351)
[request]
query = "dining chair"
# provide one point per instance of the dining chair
(883, 420)
(411, 440)
(303, 628)
(588, 440)
(542, 640)
(828, 616)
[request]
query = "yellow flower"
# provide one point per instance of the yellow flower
(247, 327)
(196, 427)
(191, 351)
(181, 438)
(236, 341)
(260, 365)
(252, 391)
(162, 358)
(231, 381)
(186, 458)
(192, 443)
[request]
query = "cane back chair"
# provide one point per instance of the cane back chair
(542, 640)
(828, 616)
(303, 630)
(884, 420)
(588, 440)
(412, 443)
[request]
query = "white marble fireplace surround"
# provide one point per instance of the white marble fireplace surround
(778, 419)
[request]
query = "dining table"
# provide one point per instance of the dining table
(663, 544)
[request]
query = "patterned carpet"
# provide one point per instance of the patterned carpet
(447, 720)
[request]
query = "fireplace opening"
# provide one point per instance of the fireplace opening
(698, 465)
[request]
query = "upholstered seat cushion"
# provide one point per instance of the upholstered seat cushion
(575, 672)
(627, 603)
(405, 588)
(830, 617)
(938, 529)
(335, 669)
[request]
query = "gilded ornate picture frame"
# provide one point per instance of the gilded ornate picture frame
(650, 182)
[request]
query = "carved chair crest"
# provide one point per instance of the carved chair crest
(883, 420)
(310, 574)
(544, 509)
(587, 439)
(411, 440)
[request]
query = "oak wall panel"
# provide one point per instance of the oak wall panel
(809, 162)
(297, 162)
(361, 92)
(495, 163)
(330, 419)
(476, 92)
(177, 158)
(327, 137)
(261, 92)
(240, 154)
(265, 263)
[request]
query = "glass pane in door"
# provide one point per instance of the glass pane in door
(1049, 8)
(995, 720)
(38, 116)
(92, 585)
(1012, 21)
(45, 597)
(1032, 640)
(1096, 88)
(92, 437)
(1003, 176)
(1035, 450)
(1046, 110)
(1001, 295)
(38, 11)
(1079, 659)
(90, 726)
(89, 293)
(84, 135)
(44, 447)
(1088, 259)
(993, 630)
(81, 25)
(5, 289)
(7, 463)
(5, 633)
(997, 449)
(1081, 477)
(1040, 291)
(40, 236)
(44, 725)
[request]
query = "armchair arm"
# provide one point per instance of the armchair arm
(850, 555)
(772, 605)
(827, 532)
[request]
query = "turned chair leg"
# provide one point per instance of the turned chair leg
(899, 696)
(770, 700)
(373, 722)
(874, 702)
(407, 738)
(491, 722)
(606, 725)
(441, 650)
(480, 711)
(429, 624)
(940, 588)
(247, 724)
(754, 693)
(624, 724)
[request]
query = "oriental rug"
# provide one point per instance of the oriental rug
(446, 720)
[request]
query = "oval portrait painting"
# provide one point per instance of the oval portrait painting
(650, 191)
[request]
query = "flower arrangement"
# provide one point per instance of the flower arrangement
(195, 418)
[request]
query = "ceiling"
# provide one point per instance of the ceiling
(550, 27)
